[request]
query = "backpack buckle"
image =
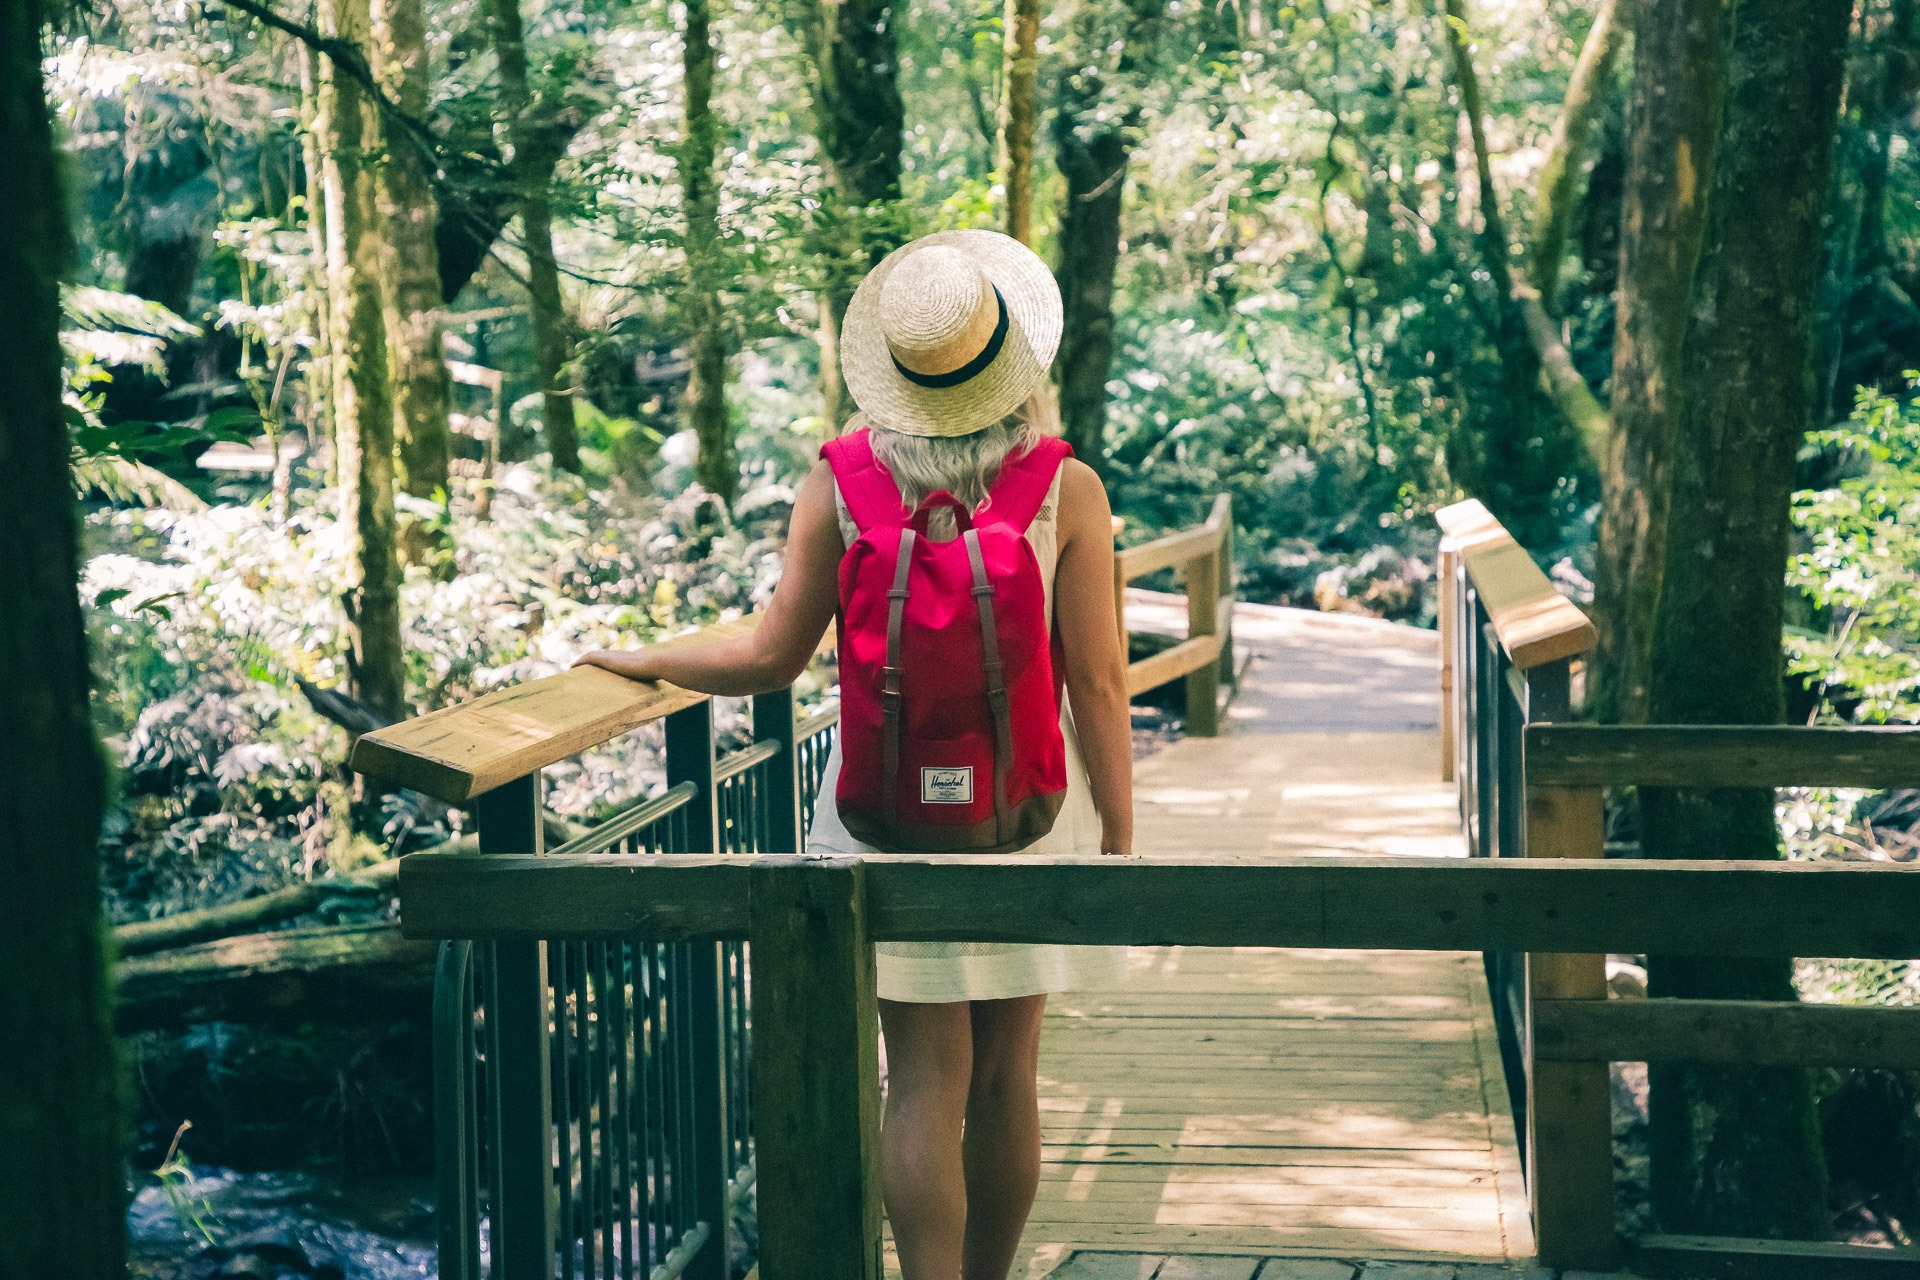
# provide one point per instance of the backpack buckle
(890, 681)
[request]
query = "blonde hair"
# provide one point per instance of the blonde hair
(964, 466)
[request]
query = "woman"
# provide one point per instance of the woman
(945, 350)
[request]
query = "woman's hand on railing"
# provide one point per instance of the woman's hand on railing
(633, 664)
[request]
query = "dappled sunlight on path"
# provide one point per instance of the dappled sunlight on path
(1252, 1100)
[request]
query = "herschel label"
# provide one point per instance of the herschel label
(946, 786)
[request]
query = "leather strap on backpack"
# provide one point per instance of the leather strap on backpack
(996, 691)
(891, 697)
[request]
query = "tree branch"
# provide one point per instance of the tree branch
(1561, 381)
(1557, 200)
(348, 57)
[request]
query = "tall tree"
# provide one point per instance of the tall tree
(853, 72)
(1673, 123)
(538, 140)
(1095, 131)
(716, 467)
(348, 135)
(1516, 462)
(1018, 113)
(410, 274)
(1736, 1151)
(62, 1180)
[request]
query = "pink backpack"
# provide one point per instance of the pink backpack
(949, 698)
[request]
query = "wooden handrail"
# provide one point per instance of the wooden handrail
(1671, 755)
(1865, 910)
(1755, 1033)
(463, 751)
(1535, 623)
(460, 752)
(1205, 553)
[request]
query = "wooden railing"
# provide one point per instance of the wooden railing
(520, 1024)
(1539, 901)
(810, 923)
(1531, 786)
(1204, 557)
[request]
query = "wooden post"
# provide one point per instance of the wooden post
(689, 735)
(1228, 671)
(1203, 683)
(816, 1071)
(508, 818)
(1448, 624)
(773, 721)
(1569, 1104)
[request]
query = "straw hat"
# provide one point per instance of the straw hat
(950, 334)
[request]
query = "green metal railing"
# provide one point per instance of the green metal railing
(593, 1118)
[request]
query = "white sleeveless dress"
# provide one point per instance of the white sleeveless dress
(940, 972)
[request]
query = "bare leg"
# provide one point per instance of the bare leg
(1002, 1146)
(922, 1181)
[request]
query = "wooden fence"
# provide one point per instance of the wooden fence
(1540, 901)
(1204, 557)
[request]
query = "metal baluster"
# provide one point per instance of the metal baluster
(508, 818)
(702, 1195)
(560, 954)
(453, 1046)
(603, 1083)
(623, 1152)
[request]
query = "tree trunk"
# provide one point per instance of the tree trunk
(716, 467)
(1515, 468)
(1735, 1151)
(1094, 133)
(1588, 90)
(317, 377)
(411, 273)
(363, 405)
(537, 147)
(62, 1180)
(1018, 112)
(853, 67)
(1089, 253)
(294, 976)
(1673, 131)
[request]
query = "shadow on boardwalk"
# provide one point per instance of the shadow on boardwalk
(1223, 1107)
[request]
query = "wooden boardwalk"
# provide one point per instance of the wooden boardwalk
(1254, 1103)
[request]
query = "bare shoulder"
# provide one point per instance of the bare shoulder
(1085, 517)
(1083, 499)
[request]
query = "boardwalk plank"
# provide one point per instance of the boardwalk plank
(1217, 1106)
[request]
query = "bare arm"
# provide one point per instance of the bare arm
(1096, 669)
(776, 653)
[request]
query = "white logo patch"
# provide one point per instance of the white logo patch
(946, 786)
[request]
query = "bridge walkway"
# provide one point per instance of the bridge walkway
(1254, 1102)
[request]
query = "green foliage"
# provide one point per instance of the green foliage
(206, 622)
(1861, 565)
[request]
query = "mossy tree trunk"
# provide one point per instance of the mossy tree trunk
(853, 74)
(1735, 1151)
(62, 1126)
(363, 403)
(1019, 112)
(1520, 454)
(716, 467)
(537, 145)
(411, 273)
(1095, 130)
(1557, 193)
(1673, 126)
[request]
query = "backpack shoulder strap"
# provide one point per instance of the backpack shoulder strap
(1021, 487)
(872, 498)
